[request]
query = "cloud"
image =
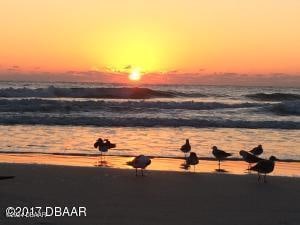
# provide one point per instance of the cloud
(170, 77)
(13, 68)
(226, 79)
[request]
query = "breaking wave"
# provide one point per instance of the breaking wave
(44, 105)
(143, 122)
(56, 92)
(138, 107)
(274, 97)
(289, 108)
(47, 106)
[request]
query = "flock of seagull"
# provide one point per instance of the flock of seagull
(262, 166)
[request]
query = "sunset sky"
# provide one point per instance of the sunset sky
(157, 38)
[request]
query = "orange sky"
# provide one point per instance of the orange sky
(158, 36)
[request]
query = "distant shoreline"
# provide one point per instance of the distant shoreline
(152, 84)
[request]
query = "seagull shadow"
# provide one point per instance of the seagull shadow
(221, 171)
(6, 177)
(184, 166)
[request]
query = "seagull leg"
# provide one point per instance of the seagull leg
(265, 178)
(219, 165)
(136, 172)
(258, 177)
(142, 172)
(194, 168)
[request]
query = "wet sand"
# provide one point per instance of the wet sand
(161, 164)
(117, 196)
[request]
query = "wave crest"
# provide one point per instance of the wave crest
(55, 92)
(44, 105)
(289, 108)
(143, 122)
(274, 96)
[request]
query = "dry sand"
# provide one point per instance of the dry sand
(117, 196)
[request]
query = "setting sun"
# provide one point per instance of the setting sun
(134, 75)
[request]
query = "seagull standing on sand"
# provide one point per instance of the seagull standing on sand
(257, 150)
(219, 154)
(140, 162)
(186, 147)
(103, 146)
(192, 160)
(249, 158)
(264, 167)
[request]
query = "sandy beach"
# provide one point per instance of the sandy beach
(117, 196)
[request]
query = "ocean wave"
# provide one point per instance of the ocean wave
(274, 96)
(113, 93)
(288, 108)
(194, 94)
(44, 105)
(143, 122)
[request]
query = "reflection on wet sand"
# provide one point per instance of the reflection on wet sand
(161, 164)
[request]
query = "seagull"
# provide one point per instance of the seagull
(103, 146)
(219, 154)
(257, 150)
(264, 167)
(192, 160)
(186, 147)
(98, 142)
(141, 162)
(109, 144)
(249, 158)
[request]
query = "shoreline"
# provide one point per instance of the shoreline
(127, 155)
(182, 123)
(237, 167)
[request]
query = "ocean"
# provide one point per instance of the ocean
(155, 120)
